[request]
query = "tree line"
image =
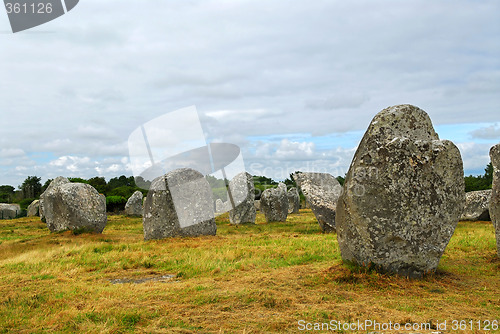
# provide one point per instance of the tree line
(481, 182)
(118, 189)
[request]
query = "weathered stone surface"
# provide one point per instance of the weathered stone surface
(322, 192)
(477, 205)
(74, 206)
(220, 206)
(293, 200)
(242, 194)
(495, 193)
(274, 203)
(9, 211)
(256, 203)
(403, 195)
(33, 209)
(134, 204)
(60, 180)
(179, 203)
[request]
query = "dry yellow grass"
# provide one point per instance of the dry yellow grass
(248, 279)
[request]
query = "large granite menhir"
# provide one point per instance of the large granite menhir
(73, 206)
(179, 203)
(495, 193)
(274, 203)
(403, 195)
(58, 181)
(293, 200)
(134, 204)
(322, 191)
(220, 206)
(33, 209)
(242, 194)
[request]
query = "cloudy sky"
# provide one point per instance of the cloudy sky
(294, 84)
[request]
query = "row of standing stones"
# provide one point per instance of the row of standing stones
(397, 211)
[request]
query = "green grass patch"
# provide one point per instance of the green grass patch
(259, 278)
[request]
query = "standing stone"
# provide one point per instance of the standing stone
(256, 203)
(282, 186)
(243, 195)
(293, 200)
(9, 211)
(219, 206)
(60, 180)
(322, 192)
(495, 193)
(179, 203)
(134, 204)
(33, 209)
(477, 205)
(73, 206)
(274, 203)
(403, 195)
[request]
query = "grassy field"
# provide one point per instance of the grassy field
(248, 279)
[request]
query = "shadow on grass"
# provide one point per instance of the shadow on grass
(351, 274)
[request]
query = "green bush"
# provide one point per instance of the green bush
(123, 191)
(341, 180)
(115, 203)
(259, 189)
(25, 203)
(77, 180)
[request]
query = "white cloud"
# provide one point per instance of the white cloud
(289, 150)
(279, 159)
(56, 145)
(475, 156)
(96, 132)
(71, 163)
(488, 132)
(6, 153)
(114, 168)
(339, 101)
